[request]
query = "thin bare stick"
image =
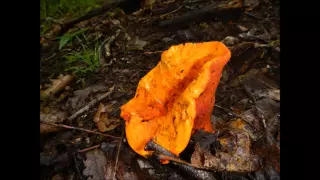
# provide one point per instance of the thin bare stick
(117, 158)
(177, 160)
(164, 154)
(90, 104)
(89, 148)
(80, 129)
(155, 52)
(171, 12)
(106, 49)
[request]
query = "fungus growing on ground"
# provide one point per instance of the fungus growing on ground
(175, 98)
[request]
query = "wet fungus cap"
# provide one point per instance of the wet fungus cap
(176, 97)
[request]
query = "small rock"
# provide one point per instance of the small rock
(242, 28)
(230, 41)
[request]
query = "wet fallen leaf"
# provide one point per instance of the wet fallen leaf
(251, 73)
(250, 117)
(267, 108)
(273, 94)
(242, 125)
(204, 139)
(105, 123)
(237, 158)
(95, 165)
(53, 115)
(125, 172)
(197, 157)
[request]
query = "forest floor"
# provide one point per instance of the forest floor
(92, 61)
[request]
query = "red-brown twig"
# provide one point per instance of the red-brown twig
(80, 129)
(89, 148)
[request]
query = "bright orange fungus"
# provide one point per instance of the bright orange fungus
(176, 97)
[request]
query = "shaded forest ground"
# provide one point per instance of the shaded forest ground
(108, 53)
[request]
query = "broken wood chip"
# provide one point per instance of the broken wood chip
(56, 86)
(103, 121)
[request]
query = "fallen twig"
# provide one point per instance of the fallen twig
(199, 15)
(117, 158)
(56, 88)
(90, 104)
(89, 148)
(152, 146)
(80, 129)
(177, 160)
(171, 12)
(196, 172)
(154, 52)
(261, 18)
(92, 13)
(106, 44)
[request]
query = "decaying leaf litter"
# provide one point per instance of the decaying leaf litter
(126, 46)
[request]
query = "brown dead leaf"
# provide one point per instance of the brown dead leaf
(273, 94)
(103, 122)
(255, 79)
(237, 158)
(57, 85)
(53, 115)
(197, 157)
(95, 165)
(242, 125)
